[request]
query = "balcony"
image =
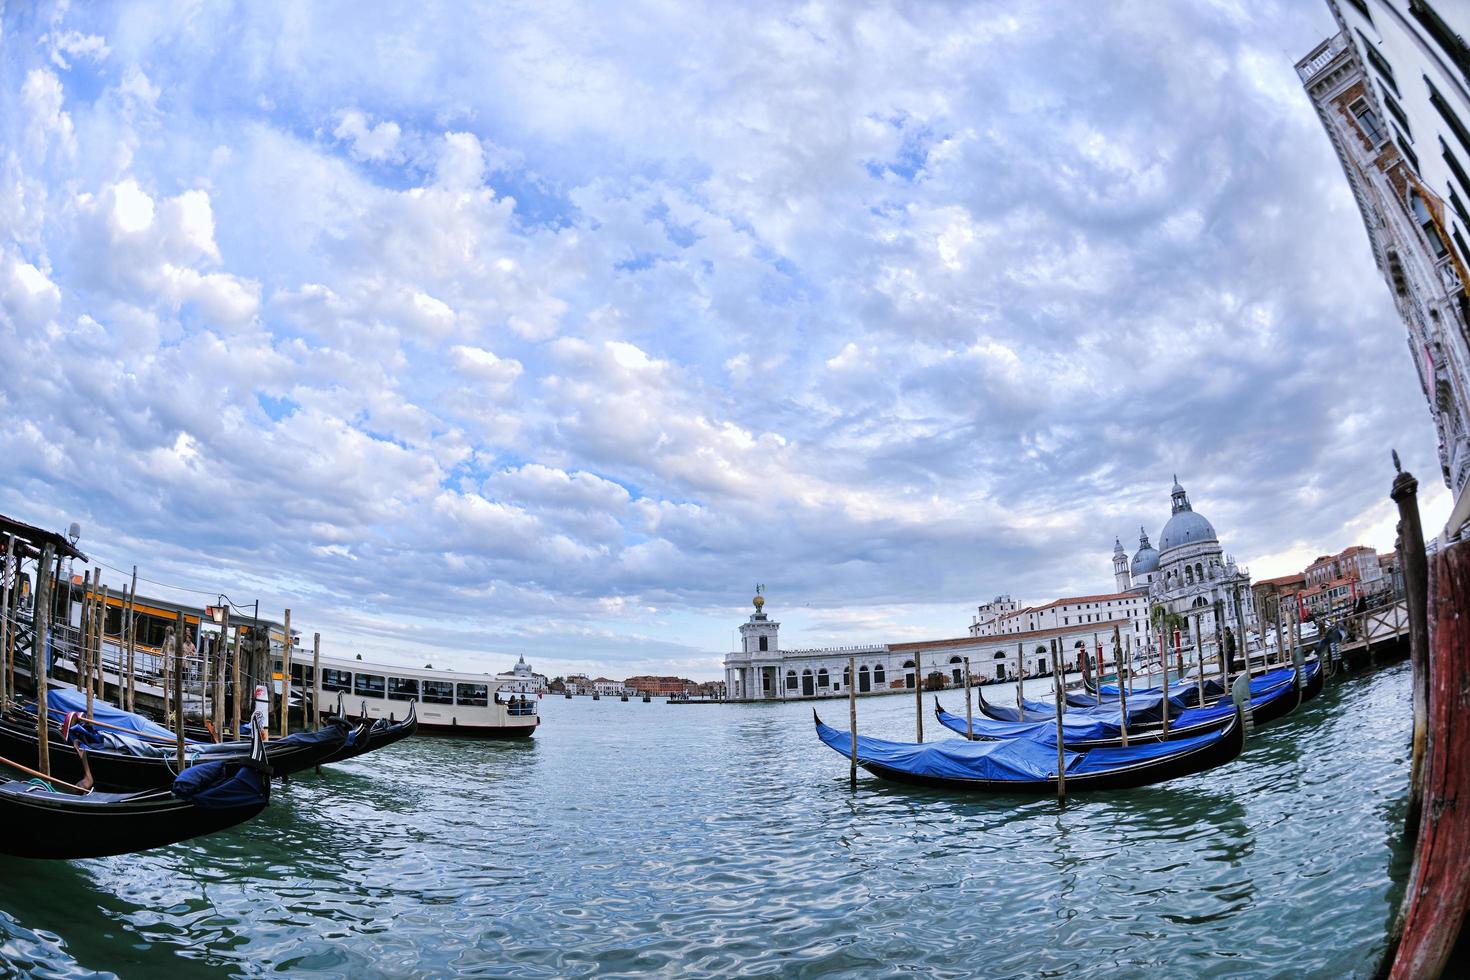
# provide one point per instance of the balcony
(1322, 56)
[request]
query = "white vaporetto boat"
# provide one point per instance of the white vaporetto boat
(449, 702)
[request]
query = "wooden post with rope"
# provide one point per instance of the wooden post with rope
(83, 647)
(1199, 658)
(1164, 664)
(1219, 609)
(1056, 687)
(39, 667)
(179, 686)
(286, 680)
(852, 721)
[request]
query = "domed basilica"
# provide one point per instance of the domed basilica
(1188, 572)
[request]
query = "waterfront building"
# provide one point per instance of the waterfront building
(1188, 574)
(521, 679)
(1391, 90)
(659, 685)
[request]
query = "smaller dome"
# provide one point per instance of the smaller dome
(1146, 560)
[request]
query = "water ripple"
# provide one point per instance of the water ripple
(630, 839)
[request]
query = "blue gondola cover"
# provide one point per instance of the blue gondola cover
(60, 700)
(221, 786)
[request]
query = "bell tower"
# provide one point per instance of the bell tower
(758, 635)
(1121, 577)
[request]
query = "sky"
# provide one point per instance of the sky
(470, 331)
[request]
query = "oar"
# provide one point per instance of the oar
(41, 775)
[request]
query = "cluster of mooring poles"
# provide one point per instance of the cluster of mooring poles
(36, 612)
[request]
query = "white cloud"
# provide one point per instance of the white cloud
(377, 143)
(42, 99)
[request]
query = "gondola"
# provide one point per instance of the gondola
(370, 736)
(123, 763)
(1083, 733)
(41, 821)
(1023, 765)
(1146, 709)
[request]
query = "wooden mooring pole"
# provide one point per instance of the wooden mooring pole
(1122, 687)
(6, 587)
(221, 655)
(1021, 679)
(316, 680)
(286, 680)
(132, 628)
(918, 696)
(236, 691)
(852, 721)
(969, 711)
(83, 649)
(179, 627)
(1056, 688)
(1405, 494)
(39, 667)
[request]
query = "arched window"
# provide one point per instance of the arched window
(808, 688)
(999, 655)
(865, 682)
(1199, 571)
(791, 680)
(1188, 576)
(909, 678)
(847, 677)
(822, 679)
(878, 676)
(956, 670)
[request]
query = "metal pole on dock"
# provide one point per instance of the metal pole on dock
(39, 667)
(1056, 687)
(132, 637)
(1122, 688)
(969, 715)
(852, 721)
(286, 680)
(179, 686)
(918, 696)
(316, 680)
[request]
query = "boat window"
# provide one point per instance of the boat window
(402, 688)
(302, 675)
(368, 685)
(438, 692)
(336, 680)
(472, 695)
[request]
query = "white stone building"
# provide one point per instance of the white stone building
(1392, 89)
(521, 679)
(1188, 574)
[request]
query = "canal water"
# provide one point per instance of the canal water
(723, 839)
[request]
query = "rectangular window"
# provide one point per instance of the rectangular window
(1459, 206)
(1409, 154)
(402, 689)
(1395, 110)
(368, 685)
(1362, 8)
(1448, 115)
(1434, 25)
(438, 692)
(336, 680)
(472, 695)
(1368, 121)
(763, 650)
(1370, 51)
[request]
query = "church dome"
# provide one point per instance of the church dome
(1186, 527)
(1146, 560)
